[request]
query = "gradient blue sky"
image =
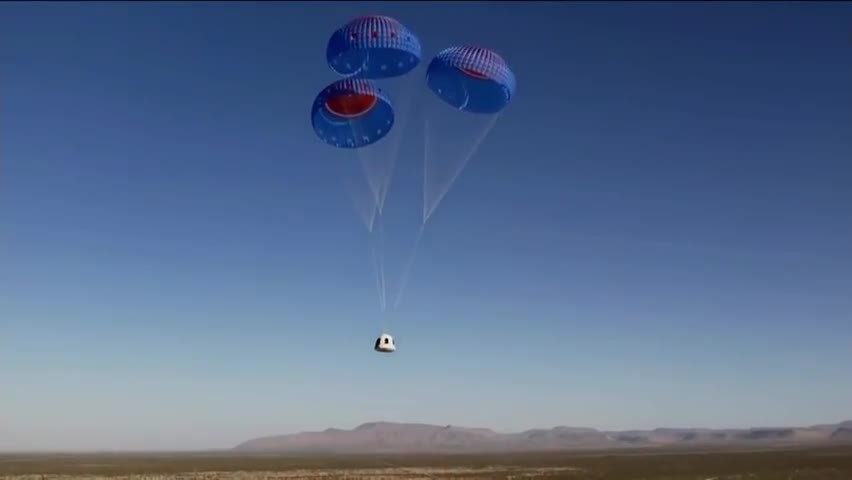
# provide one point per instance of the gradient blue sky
(658, 232)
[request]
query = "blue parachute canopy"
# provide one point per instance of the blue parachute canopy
(471, 79)
(373, 47)
(352, 113)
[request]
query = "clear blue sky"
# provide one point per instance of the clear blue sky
(658, 231)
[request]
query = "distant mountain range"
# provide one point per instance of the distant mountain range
(390, 437)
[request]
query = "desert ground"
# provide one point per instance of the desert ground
(792, 464)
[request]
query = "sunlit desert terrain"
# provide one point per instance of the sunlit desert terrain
(833, 463)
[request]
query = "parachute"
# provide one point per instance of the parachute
(355, 113)
(472, 79)
(381, 49)
(352, 113)
(373, 47)
(477, 82)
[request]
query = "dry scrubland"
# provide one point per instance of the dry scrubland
(811, 464)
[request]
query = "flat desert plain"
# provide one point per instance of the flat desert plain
(833, 463)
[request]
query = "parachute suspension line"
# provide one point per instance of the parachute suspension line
(365, 157)
(366, 160)
(363, 207)
(406, 99)
(425, 168)
(428, 209)
(377, 251)
(381, 186)
(381, 265)
(363, 201)
(403, 281)
(375, 258)
(372, 221)
(378, 161)
(409, 264)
